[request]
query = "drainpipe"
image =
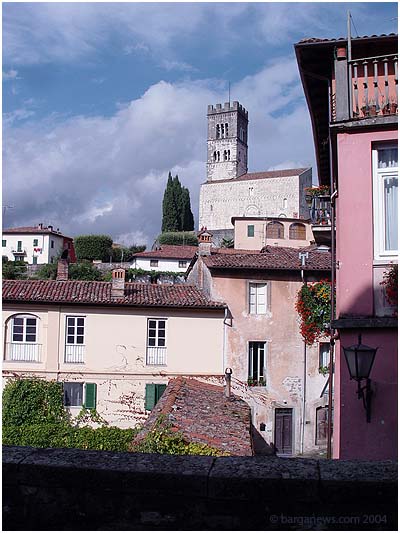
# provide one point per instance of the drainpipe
(304, 398)
(224, 342)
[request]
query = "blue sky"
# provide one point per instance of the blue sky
(101, 100)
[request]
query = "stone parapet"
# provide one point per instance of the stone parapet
(67, 489)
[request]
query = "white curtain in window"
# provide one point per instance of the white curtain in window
(391, 206)
(387, 158)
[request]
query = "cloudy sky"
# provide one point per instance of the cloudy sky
(101, 100)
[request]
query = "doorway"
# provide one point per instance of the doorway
(284, 431)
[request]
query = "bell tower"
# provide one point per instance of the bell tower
(226, 141)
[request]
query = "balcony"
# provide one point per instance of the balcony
(23, 351)
(74, 353)
(319, 202)
(156, 355)
(18, 251)
(365, 89)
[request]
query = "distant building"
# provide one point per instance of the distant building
(352, 95)
(114, 345)
(230, 191)
(280, 377)
(36, 245)
(165, 258)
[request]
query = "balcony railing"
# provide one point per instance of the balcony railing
(22, 351)
(18, 251)
(320, 211)
(74, 353)
(373, 86)
(156, 355)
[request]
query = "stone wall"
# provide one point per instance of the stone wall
(66, 489)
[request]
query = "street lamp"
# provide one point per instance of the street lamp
(359, 359)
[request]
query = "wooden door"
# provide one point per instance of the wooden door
(283, 431)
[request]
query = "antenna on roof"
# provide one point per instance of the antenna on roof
(229, 93)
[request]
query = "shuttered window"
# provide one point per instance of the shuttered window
(259, 298)
(250, 230)
(90, 395)
(154, 392)
(79, 394)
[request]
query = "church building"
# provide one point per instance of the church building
(231, 191)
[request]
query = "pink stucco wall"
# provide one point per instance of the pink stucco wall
(353, 437)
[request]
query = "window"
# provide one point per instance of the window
(182, 264)
(229, 155)
(34, 260)
(250, 231)
(297, 231)
(154, 392)
(241, 134)
(35, 242)
(257, 370)
(80, 394)
(75, 338)
(275, 230)
(4, 243)
(19, 246)
(324, 354)
(222, 131)
(52, 244)
(385, 188)
(22, 345)
(258, 294)
(156, 341)
(226, 129)
(154, 262)
(218, 133)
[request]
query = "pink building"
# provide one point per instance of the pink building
(351, 93)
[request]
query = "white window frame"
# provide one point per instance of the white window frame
(74, 351)
(156, 354)
(255, 304)
(24, 318)
(182, 264)
(261, 371)
(23, 350)
(378, 178)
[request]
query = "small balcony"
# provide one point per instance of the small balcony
(319, 202)
(18, 252)
(74, 353)
(23, 351)
(156, 355)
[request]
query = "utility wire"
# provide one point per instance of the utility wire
(354, 26)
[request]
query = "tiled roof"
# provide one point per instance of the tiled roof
(271, 257)
(312, 40)
(170, 251)
(99, 293)
(35, 230)
(263, 175)
(202, 413)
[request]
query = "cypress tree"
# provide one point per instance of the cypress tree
(187, 220)
(169, 219)
(177, 213)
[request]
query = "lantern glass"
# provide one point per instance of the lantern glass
(360, 359)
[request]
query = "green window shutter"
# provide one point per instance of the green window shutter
(150, 398)
(159, 391)
(90, 396)
(4, 243)
(35, 242)
(250, 231)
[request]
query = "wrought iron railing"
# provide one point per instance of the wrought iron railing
(74, 353)
(22, 351)
(156, 355)
(320, 211)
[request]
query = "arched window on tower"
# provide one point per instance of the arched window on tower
(226, 129)
(222, 131)
(297, 231)
(229, 155)
(275, 230)
(218, 131)
(215, 156)
(218, 156)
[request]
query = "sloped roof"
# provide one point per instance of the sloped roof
(34, 230)
(285, 173)
(99, 293)
(202, 413)
(271, 257)
(170, 251)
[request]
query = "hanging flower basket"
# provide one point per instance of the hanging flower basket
(390, 280)
(314, 307)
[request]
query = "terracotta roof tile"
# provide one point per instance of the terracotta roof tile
(202, 413)
(262, 175)
(34, 230)
(170, 251)
(271, 257)
(99, 293)
(311, 40)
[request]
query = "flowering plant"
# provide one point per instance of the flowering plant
(322, 190)
(314, 307)
(390, 284)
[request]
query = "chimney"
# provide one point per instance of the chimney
(228, 377)
(62, 270)
(50, 227)
(40, 226)
(118, 283)
(204, 239)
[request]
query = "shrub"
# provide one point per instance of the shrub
(48, 271)
(128, 254)
(390, 284)
(93, 247)
(84, 271)
(14, 270)
(314, 307)
(180, 238)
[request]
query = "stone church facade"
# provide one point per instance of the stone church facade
(230, 191)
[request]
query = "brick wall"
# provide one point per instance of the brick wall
(65, 489)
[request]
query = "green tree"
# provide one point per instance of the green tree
(187, 220)
(92, 247)
(180, 238)
(170, 216)
(14, 270)
(177, 213)
(227, 243)
(48, 271)
(84, 271)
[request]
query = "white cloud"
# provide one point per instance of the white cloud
(177, 65)
(108, 174)
(11, 75)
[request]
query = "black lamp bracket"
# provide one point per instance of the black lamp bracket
(365, 393)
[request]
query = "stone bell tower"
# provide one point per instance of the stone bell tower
(226, 141)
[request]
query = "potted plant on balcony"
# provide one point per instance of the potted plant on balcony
(314, 308)
(389, 282)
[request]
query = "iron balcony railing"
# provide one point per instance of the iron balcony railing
(320, 211)
(74, 353)
(23, 351)
(156, 355)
